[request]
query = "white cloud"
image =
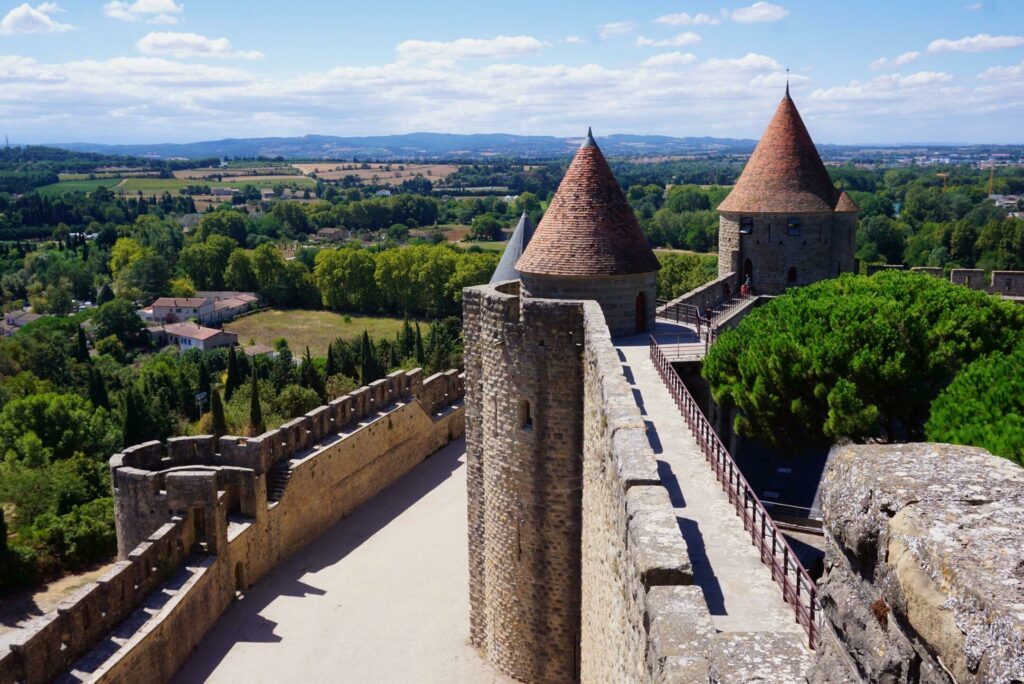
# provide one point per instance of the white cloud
(759, 13)
(574, 40)
(154, 11)
(439, 52)
(979, 43)
(887, 87)
(191, 45)
(616, 28)
(749, 62)
(686, 19)
(678, 40)
(666, 59)
(1003, 72)
(891, 63)
(28, 19)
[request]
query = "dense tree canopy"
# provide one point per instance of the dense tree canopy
(984, 406)
(854, 358)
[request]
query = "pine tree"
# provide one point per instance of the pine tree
(97, 389)
(232, 381)
(220, 423)
(255, 410)
(82, 349)
(421, 358)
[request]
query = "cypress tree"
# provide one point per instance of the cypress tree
(3, 533)
(407, 339)
(232, 381)
(255, 410)
(97, 389)
(133, 427)
(332, 364)
(368, 371)
(82, 349)
(420, 356)
(204, 379)
(104, 295)
(311, 378)
(220, 423)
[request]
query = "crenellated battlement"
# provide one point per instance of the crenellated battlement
(195, 520)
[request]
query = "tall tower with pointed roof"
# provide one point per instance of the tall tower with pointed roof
(589, 246)
(785, 223)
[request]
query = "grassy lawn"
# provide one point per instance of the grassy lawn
(314, 328)
(662, 250)
(79, 185)
(485, 245)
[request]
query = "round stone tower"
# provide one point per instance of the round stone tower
(589, 246)
(784, 223)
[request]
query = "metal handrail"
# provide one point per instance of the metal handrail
(798, 589)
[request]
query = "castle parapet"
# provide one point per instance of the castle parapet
(923, 578)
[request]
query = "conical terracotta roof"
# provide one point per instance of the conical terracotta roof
(845, 204)
(589, 228)
(521, 237)
(785, 173)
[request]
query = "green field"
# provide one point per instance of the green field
(485, 245)
(80, 185)
(316, 329)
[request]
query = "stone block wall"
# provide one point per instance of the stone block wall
(617, 296)
(640, 619)
(973, 278)
(1009, 283)
(524, 444)
(339, 455)
(823, 249)
(924, 566)
(710, 294)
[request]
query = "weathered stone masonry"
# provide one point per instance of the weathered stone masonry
(605, 595)
(202, 518)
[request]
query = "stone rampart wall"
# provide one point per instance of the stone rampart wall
(640, 620)
(924, 566)
(708, 295)
(58, 638)
(335, 467)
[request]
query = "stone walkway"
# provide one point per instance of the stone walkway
(738, 588)
(381, 597)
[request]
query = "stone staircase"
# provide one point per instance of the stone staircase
(145, 616)
(277, 480)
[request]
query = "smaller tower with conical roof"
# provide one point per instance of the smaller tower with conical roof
(785, 223)
(589, 246)
(521, 237)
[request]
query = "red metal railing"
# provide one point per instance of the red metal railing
(798, 589)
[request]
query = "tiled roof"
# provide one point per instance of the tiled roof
(785, 174)
(589, 228)
(180, 301)
(192, 331)
(846, 204)
(521, 236)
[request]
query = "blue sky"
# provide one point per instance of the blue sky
(172, 71)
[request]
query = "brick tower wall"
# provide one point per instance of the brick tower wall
(616, 295)
(823, 249)
(525, 485)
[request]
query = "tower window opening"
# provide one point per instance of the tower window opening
(525, 416)
(793, 226)
(791, 275)
(746, 225)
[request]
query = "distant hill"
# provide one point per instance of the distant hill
(422, 146)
